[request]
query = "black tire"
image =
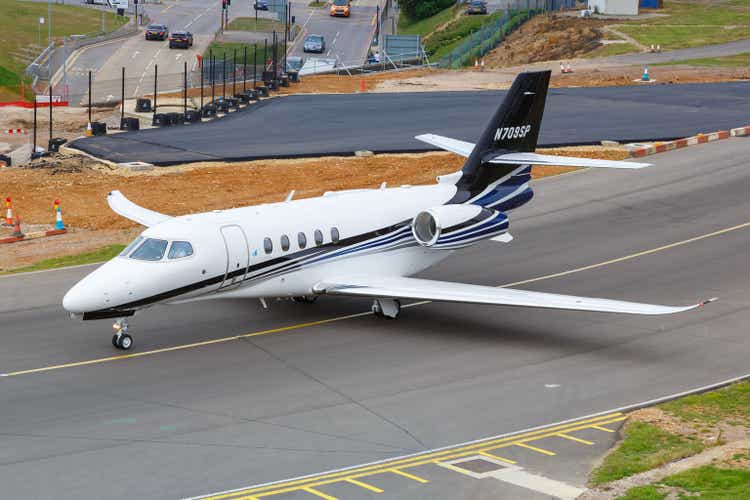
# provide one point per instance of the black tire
(114, 341)
(125, 342)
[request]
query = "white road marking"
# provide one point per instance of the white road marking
(135, 54)
(519, 477)
(307, 20)
(177, 57)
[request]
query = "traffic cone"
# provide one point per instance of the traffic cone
(476, 64)
(89, 130)
(645, 77)
(562, 67)
(17, 228)
(482, 65)
(58, 216)
(362, 85)
(568, 69)
(8, 213)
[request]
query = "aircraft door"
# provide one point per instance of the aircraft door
(238, 255)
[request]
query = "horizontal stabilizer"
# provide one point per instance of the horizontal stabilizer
(421, 289)
(563, 161)
(126, 208)
(462, 148)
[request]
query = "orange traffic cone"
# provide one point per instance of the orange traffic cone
(8, 213)
(362, 85)
(476, 64)
(17, 228)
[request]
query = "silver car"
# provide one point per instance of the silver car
(314, 43)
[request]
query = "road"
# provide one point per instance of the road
(299, 397)
(347, 39)
(315, 125)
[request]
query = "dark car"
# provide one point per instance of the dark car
(181, 40)
(314, 43)
(261, 4)
(157, 32)
(476, 7)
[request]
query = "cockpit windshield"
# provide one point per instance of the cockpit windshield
(151, 249)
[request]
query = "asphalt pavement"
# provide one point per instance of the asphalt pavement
(315, 125)
(205, 417)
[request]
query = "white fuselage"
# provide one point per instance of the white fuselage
(230, 257)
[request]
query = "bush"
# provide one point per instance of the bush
(422, 9)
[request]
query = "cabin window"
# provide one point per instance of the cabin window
(151, 249)
(318, 237)
(302, 240)
(334, 235)
(268, 245)
(180, 249)
(284, 242)
(131, 247)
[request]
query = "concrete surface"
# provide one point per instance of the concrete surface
(229, 414)
(313, 125)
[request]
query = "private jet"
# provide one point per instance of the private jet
(355, 243)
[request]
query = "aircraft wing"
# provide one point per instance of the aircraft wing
(464, 149)
(422, 289)
(126, 208)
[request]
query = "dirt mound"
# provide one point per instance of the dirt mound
(547, 39)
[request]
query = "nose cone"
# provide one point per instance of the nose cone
(82, 298)
(106, 287)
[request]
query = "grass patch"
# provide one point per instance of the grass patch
(713, 483)
(426, 26)
(731, 403)
(315, 3)
(644, 447)
(649, 492)
(612, 49)
(19, 31)
(101, 255)
(219, 49)
(249, 24)
(692, 24)
(444, 41)
(733, 61)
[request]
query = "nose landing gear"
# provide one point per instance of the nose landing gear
(121, 339)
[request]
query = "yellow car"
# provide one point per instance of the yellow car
(340, 8)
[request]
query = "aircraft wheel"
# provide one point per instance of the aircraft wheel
(125, 342)
(115, 340)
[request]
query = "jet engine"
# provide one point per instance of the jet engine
(455, 226)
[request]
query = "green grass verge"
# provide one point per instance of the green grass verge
(101, 255)
(19, 31)
(649, 492)
(443, 42)
(644, 447)
(317, 4)
(707, 482)
(731, 404)
(692, 24)
(249, 24)
(426, 26)
(219, 49)
(734, 61)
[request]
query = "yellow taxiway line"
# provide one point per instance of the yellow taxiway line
(359, 315)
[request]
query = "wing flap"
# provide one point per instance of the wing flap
(126, 208)
(442, 291)
(563, 161)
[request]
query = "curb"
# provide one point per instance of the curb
(688, 141)
(33, 236)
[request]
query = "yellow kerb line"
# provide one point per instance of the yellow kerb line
(364, 485)
(600, 428)
(496, 457)
(534, 448)
(573, 438)
(396, 465)
(407, 475)
(319, 494)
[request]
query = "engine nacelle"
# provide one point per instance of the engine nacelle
(455, 226)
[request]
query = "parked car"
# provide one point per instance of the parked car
(314, 43)
(181, 40)
(340, 8)
(476, 7)
(261, 4)
(157, 32)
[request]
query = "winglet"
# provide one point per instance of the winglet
(705, 302)
(126, 208)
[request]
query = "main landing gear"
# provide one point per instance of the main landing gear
(386, 308)
(121, 339)
(305, 299)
